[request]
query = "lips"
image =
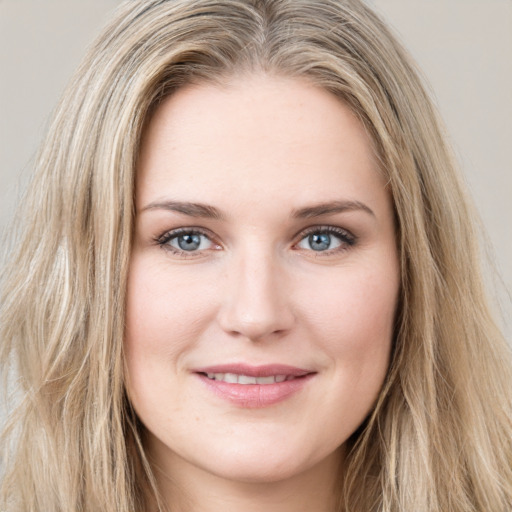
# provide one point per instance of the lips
(254, 386)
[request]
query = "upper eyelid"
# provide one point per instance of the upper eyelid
(326, 228)
(167, 235)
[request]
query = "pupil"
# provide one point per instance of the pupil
(189, 242)
(320, 241)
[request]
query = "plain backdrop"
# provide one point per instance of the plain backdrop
(463, 46)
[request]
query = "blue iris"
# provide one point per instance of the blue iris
(319, 241)
(190, 242)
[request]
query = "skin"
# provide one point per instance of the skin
(259, 149)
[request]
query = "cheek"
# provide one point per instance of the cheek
(361, 317)
(356, 310)
(353, 323)
(162, 324)
(165, 312)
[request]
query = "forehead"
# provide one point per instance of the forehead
(257, 138)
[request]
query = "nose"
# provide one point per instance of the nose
(256, 302)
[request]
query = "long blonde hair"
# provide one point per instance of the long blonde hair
(440, 436)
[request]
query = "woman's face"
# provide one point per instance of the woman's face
(263, 280)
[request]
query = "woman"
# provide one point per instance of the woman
(247, 277)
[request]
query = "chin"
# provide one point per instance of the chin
(262, 470)
(265, 463)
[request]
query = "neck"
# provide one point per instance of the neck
(192, 489)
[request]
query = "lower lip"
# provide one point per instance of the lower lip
(253, 396)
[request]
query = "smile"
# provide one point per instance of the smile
(233, 378)
(252, 387)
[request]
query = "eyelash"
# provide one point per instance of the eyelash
(346, 239)
(164, 239)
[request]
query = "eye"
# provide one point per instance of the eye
(182, 241)
(326, 239)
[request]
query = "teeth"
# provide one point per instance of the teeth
(228, 377)
(244, 379)
(233, 378)
(266, 380)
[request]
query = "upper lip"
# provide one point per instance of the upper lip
(267, 370)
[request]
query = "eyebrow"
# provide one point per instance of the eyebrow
(187, 208)
(329, 208)
(201, 210)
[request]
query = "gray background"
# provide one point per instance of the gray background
(463, 46)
